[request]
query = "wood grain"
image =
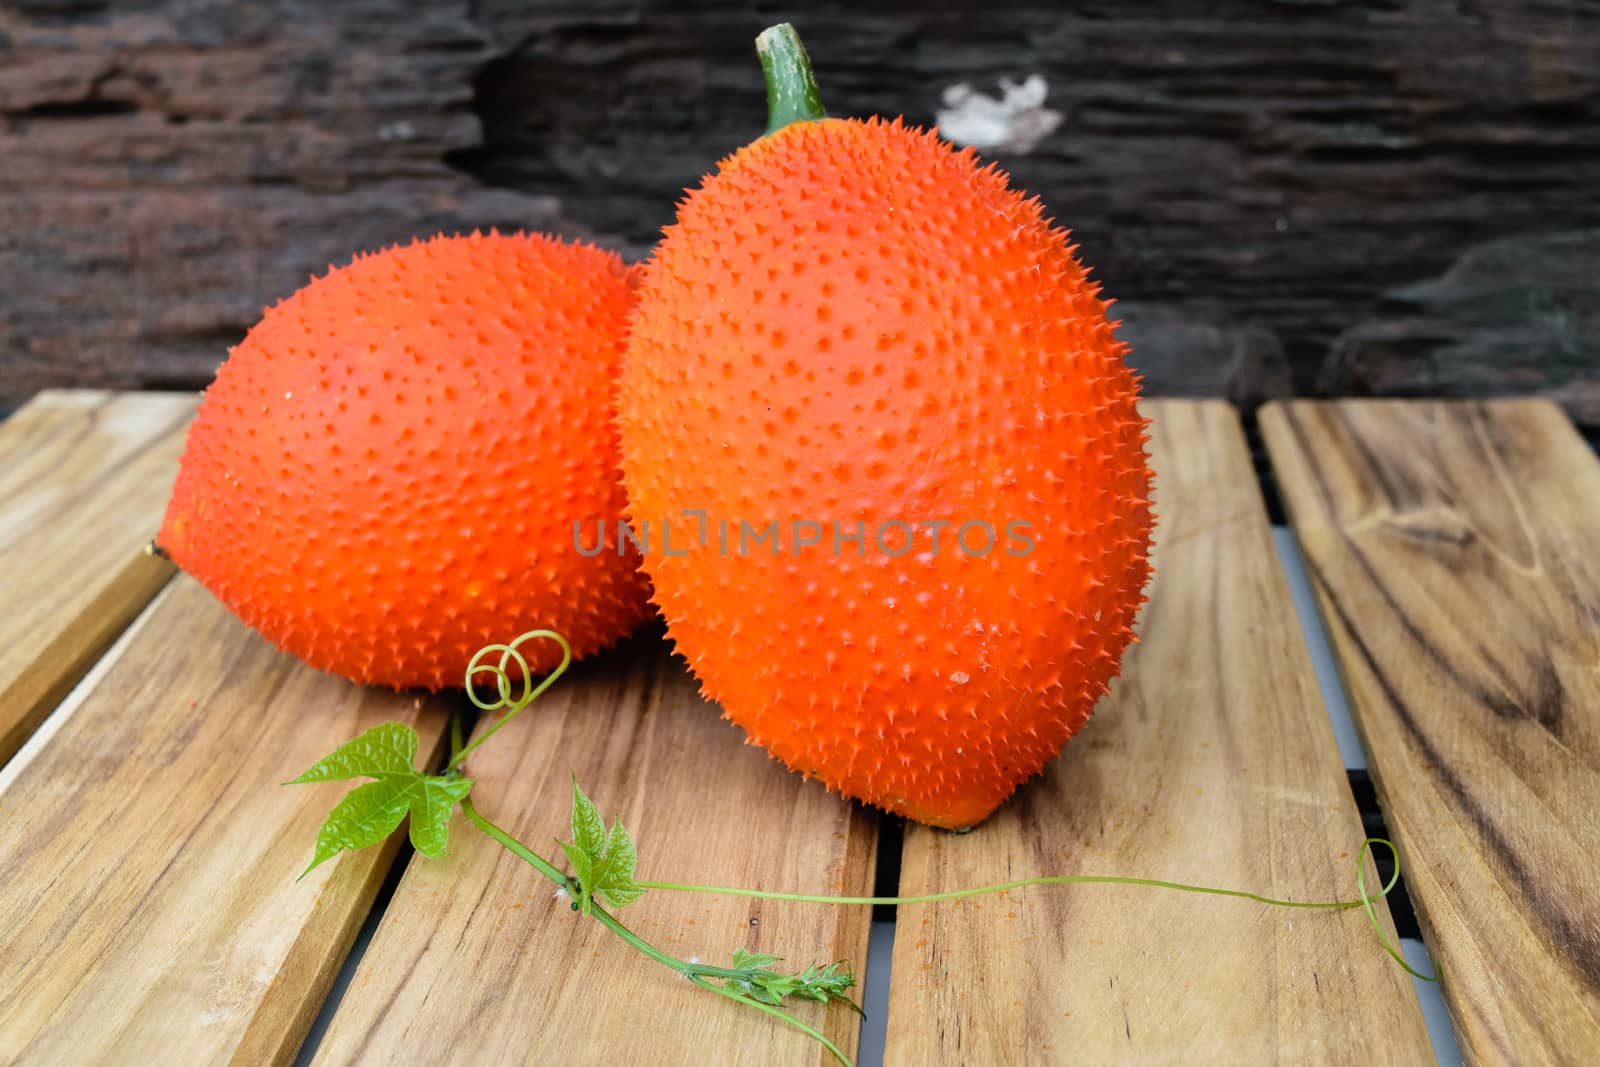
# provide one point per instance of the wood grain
(1248, 179)
(172, 169)
(1455, 552)
(83, 480)
(476, 962)
(1512, 317)
(1211, 762)
(149, 911)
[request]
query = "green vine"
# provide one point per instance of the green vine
(603, 859)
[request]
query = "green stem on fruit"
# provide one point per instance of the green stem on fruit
(792, 94)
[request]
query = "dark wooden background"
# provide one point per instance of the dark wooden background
(1316, 197)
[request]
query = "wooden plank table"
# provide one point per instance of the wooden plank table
(148, 854)
(84, 478)
(149, 910)
(1455, 553)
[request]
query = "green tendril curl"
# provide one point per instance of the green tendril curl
(508, 653)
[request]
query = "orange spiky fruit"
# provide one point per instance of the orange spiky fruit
(853, 327)
(385, 475)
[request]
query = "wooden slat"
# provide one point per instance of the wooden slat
(1455, 551)
(148, 906)
(476, 962)
(83, 480)
(1211, 762)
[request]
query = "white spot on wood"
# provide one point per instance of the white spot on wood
(1015, 123)
(396, 131)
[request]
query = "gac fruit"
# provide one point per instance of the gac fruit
(385, 475)
(856, 333)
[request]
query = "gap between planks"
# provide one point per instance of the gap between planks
(1452, 547)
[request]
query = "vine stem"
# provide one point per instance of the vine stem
(702, 974)
(1001, 887)
(777, 1013)
(611, 922)
(513, 846)
(698, 973)
(1365, 901)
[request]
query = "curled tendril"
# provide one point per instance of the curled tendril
(502, 677)
(1372, 914)
(509, 698)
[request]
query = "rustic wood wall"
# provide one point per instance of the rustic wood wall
(1396, 197)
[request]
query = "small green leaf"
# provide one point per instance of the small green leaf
(620, 896)
(744, 958)
(431, 811)
(588, 829)
(603, 861)
(615, 882)
(367, 815)
(390, 748)
(759, 980)
(617, 858)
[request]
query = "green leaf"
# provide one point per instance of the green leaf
(621, 896)
(430, 813)
(603, 861)
(390, 748)
(615, 866)
(744, 958)
(588, 829)
(614, 880)
(371, 812)
(760, 981)
(367, 815)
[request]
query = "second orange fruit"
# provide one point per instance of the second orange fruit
(854, 329)
(385, 476)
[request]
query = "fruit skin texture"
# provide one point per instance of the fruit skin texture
(384, 476)
(850, 320)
